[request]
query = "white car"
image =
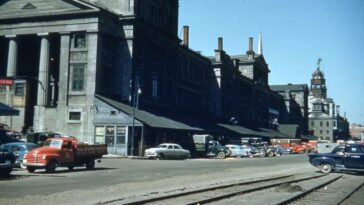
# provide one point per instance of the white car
(167, 150)
(238, 151)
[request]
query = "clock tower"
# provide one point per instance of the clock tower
(318, 83)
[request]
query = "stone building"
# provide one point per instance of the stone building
(296, 98)
(325, 121)
(115, 72)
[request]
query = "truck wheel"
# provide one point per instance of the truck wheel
(51, 167)
(90, 164)
(325, 168)
(221, 155)
(30, 169)
(270, 154)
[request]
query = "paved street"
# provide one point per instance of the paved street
(115, 178)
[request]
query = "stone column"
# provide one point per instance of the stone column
(12, 56)
(43, 70)
(39, 109)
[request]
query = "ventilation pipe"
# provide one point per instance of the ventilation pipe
(220, 44)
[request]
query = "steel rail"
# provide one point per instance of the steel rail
(154, 199)
(307, 192)
(258, 188)
(219, 197)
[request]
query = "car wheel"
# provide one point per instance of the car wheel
(30, 169)
(187, 156)
(22, 166)
(270, 154)
(325, 168)
(160, 156)
(221, 155)
(5, 172)
(51, 167)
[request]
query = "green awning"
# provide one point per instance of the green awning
(6, 110)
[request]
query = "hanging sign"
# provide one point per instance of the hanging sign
(6, 81)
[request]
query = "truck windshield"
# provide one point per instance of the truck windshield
(53, 143)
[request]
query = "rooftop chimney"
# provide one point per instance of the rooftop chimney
(220, 44)
(250, 51)
(185, 35)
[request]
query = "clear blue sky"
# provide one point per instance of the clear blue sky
(295, 34)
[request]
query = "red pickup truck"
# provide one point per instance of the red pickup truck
(65, 152)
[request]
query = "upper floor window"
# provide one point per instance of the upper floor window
(155, 87)
(78, 76)
(327, 123)
(321, 123)
(79, 40)
(19, 89)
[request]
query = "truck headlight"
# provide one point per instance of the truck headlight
(44, 157)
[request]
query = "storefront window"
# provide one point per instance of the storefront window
(110, 135)
(120, 135)
(99, 135)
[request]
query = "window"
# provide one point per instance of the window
(120, 135)
(312, 123)
(321, 123)
(79, 40)
(2, 89)
(155, 87)
(78, 76)
(99, 135)
(110, 135)
(75, 116)
(320, 131)
(19, 89)
(327, 131)
(327, 124)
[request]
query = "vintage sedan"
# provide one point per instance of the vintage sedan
(167, 150)
(20, 149)
(238, 151)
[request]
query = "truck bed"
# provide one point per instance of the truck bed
(83, 150)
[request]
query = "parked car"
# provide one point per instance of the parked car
(255, 151)
(6, 137)
(282, 150)
(238, 151)
(7, 160)
(40, 137)
(167, 150)
(349, 157)
(20, 149)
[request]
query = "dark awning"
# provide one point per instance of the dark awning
(148, 118)
(241, 130)
(6, 110)
(274, 134)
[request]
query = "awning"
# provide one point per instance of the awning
(6, 110)
(309, 137)
(148, 118)
(274, 134)
(241, 130)
(292, 130)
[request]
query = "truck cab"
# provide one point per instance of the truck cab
(348, 157)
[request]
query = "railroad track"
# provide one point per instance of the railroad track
(288, 189)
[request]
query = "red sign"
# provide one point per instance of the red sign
(6, 81)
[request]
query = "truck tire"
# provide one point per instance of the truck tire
(325, 168)
(90, 164)
(30, 169)
(221, 155)
(70, 167)
(51, 166)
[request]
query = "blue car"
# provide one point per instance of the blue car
(19, 149)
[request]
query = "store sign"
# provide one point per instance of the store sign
(6, 81)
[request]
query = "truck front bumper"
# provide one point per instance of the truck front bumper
(25, 163)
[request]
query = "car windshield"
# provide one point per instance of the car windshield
(53, 143)
(162, 146)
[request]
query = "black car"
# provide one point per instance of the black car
(7, 162)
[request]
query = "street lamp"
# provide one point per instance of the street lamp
(135, 106)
